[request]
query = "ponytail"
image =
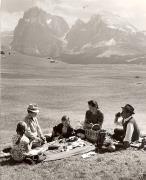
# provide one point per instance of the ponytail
(18, 141)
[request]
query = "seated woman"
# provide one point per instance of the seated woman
(20, 143)
(33, 129)
(93, 116)
(64, 129)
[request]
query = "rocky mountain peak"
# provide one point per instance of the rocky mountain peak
(39, 33)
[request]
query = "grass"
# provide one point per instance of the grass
(60, 89)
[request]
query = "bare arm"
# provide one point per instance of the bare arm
(29, 134)
(39, 131)
(101, 118)
(117, 116)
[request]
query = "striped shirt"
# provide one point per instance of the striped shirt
(33, 129)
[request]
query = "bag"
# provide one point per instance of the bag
(35, 159)
(101, 138)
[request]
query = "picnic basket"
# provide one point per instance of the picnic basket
(95, 135)
(92, 135)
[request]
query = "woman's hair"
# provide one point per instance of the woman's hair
(21, 127)
(64, 118)
(93, 103)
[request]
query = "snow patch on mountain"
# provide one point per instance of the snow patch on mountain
(49, 21)
(111, 42)
(111, 52)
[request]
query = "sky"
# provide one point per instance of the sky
(133, 10)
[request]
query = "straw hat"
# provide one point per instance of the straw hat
(33, 108)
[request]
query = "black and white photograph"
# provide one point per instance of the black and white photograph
(73, 90)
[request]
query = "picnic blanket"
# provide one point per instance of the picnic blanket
(59, 149)
(56, 155)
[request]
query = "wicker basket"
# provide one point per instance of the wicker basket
(92, 135)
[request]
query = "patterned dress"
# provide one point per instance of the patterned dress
(18, 151)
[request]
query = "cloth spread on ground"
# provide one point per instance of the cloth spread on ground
(60, 149)
(67, 148)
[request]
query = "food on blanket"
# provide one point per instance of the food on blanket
(72, 139)
(111, 148)
(52, 147)
(80, 133)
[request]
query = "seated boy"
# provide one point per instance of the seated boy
(64, 129)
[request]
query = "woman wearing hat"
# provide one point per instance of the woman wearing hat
(130, 131)
(33, 130)
(93, 116)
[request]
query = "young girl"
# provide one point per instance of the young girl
(21, 144)
(64, 129)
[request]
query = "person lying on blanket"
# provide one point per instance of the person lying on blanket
(20, 143)
(93, 115)
(64, 129)
(130, 131)
(33, 130)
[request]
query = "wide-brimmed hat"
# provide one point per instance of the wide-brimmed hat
(33, 108)
(128, 108)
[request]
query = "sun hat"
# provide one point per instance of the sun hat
(33, 108)
(128, 108)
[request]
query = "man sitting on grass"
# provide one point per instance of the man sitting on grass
(130, 131)
(33, 130)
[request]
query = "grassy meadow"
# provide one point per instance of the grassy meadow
(60, 88)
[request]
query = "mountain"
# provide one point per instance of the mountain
(105, 38)
(39, 33)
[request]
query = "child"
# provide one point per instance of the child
(21, 144)
(64, 129)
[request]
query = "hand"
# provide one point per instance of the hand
(38, 139)
(117, 115)
(43, 138)
(91, 124)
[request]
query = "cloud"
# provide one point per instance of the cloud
(13, 6)
(9, 20)
(133, 10)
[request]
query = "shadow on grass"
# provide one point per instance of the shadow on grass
(8, 162)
